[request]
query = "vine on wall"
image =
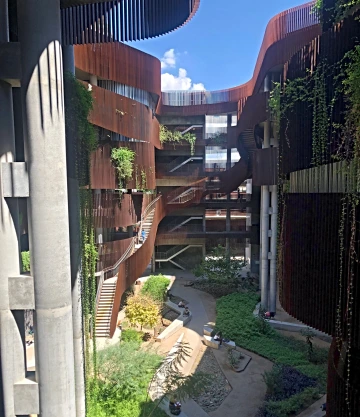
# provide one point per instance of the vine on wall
(77, 113)
(174, 137)
(344, 78)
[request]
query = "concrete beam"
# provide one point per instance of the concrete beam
(21, 293)
(26, 397)
(15, 179)
(10, 68)
(182, 120)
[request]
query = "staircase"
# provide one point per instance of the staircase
(107, 287)
(172, 253)
(104, 308)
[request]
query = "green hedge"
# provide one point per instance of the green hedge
(236, 320)
(156, 287)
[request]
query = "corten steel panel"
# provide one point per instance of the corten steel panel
(121, 63)
(121, 20)
(111, 252)
(112, 210)
(102, 172)
(124, 116)
(265, 166)
(296, 129)
(200, 109)
(337, 387)
(309, 274)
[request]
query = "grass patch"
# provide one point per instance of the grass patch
(156, 287)
(236, 321)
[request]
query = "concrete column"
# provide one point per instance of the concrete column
(153, 264)
(75, 242)
(204, 221)
(44, 130)
(273, 247)
(99, 231)
(93, 79)
(12, 361)
(204, 251)
(228, 228)
(265, 201)
(11, 346)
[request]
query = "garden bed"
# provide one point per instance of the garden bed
(236, 321)
(219, 388)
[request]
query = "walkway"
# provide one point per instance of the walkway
(248, 387)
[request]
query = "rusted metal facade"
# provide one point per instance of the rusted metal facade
(103, 174)
(125, 116)
(318, 275)
(121, 63)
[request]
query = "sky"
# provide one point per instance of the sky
(218, 48)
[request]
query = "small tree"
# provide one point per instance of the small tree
(309, 335)
(123, 162)
(25, 260)
(170, 381)
(142, 310)
(217, 267)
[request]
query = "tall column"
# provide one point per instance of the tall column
(44, 133)
(75, 243)
(273, 247)
(99, 231)
(228, 227)
(153, 263)
(265, 200)
(228, 218)
(12, 364)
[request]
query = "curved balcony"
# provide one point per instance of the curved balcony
(122, 20)
(122, 115)
(103, 174)
(121, 63)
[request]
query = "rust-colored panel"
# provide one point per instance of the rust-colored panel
(124, 116)
(102, 172)
(111, 252)
(199, 109)
(112, 210)
(265, 166)
(121, 63)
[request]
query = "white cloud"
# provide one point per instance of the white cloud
(179, 82)
(169, 59)
(198, 87)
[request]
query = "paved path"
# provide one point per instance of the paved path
(248, 387)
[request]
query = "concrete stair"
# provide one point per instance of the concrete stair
(104, 309)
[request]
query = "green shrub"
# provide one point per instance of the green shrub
(124, 375)
(156, 287)
(25, 260)
(132, 335)
(235, 319)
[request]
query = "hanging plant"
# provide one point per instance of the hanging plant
(167, 135)
(123, 161)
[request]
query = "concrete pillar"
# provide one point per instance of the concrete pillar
(228, 228)
(93, 79)
(11, 344)
(12, 359)
(204, 221)
(204, 251)
(75, 242)
(44, 130)
(99, 231)
(265, 201)
(273, 248)
(153, 264)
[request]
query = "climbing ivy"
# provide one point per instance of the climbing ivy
(174, 137)
(123, 161)
(80, 104)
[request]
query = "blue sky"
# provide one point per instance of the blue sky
(218, 47)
